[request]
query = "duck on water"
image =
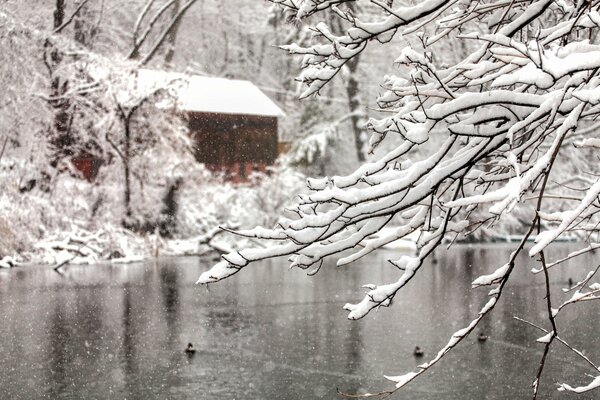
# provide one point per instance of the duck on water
(190, 349)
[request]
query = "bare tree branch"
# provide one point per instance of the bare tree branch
(172, 24)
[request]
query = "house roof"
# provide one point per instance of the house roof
(212, 95)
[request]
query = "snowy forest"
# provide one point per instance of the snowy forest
(389, 140)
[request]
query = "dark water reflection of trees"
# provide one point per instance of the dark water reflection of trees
(270, 333)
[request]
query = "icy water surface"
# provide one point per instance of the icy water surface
(119, 332)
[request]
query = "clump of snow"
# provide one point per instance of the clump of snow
(219, 271)
(8, 262)
(594, 384)
(402, 380)
(494, 277)
(546, 338)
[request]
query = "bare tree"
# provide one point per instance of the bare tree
(128, 140)
(492, 128)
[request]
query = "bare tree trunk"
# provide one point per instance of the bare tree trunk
(261, 56)
(59, 137)
(352, 91)
(59, 13)
(223, 69)
(84, 30)
(172, 37)
(124, 155)
(126, 169)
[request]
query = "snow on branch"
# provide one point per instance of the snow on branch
(594, 384)
(482, 129)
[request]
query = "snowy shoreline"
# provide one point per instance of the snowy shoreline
(112, 246)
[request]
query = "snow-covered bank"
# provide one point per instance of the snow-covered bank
(114, 245)
(72, 221)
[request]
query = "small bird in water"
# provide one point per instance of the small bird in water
(571, 282)
(418, 352)
(190, 349)
(482, 337)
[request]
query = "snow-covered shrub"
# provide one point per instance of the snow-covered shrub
(207, 201)
(11, 243)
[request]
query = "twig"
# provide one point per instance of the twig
(560, 340)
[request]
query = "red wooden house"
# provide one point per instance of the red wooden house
(233, 123)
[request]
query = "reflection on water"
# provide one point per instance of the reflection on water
(270, 333)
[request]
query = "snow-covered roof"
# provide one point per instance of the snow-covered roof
(213, 95)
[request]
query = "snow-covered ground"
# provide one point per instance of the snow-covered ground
(77, 222)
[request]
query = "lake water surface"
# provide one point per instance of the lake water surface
(119, 332)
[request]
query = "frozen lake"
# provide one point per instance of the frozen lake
(270, 333)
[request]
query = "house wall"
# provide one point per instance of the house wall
(237, 144)
(87, 165)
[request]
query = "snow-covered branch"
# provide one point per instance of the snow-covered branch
(479, 132)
